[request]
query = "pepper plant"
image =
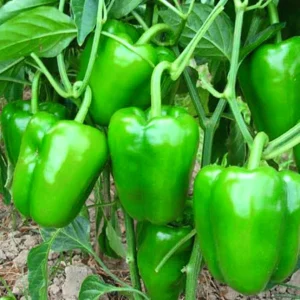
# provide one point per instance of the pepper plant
(126, 98)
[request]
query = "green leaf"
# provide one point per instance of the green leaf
(14, 7)
(237, 149)
(3, 178)
(12, 79)
(43, 30)
(122, 8)
(216, 43)
(93, 287)
(85, 15)
(74, 236)
(115, 240)
(259, 39)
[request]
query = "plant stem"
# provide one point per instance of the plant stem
(192, 272)
(183, 60)
(140, 20)
(152, 32)
(194, 265)
(156, 87)
(274, 18)
(195, 99)
(172, 8)
(60, 59)
(229, 92)
(174, 249)
(35, 92)
(84, 106)
(50, 78)
(131, 257)
(283, 143)
(259, 143)
(93, 54)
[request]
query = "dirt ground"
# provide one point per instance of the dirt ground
(67, 270)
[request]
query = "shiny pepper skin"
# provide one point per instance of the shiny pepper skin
(270, 80)
(248, 224)
(58, 165)
(15, 118)
(152, 160)
(154, 242)
(121, 77)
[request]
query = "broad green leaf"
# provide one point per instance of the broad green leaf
(43, 30)
(14, 7)
(6, 65)
(115, 240)
(259, 39)
(122, 8)
(3, 178)
(37, 262)
(74, 236)
(216, 43)
(85, 15)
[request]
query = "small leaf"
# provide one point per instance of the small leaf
(237, 150)
(260, 38)
(14, 7)
(122, 8)
(43, 30)
(115, 240)
(85, 15)
(37, 262)
(216, 43)
(92, 288)
(74, 236)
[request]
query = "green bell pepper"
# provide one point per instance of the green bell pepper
(121, 75)
(15, 118)
(154, 242)
(270, 80)
(58, 165)
(152, 160)
(248, 224)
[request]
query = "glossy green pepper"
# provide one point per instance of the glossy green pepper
(248, 224)
(270, 80)
(15, 118)
(154, 242)
(152, 160)
(58, 165)
(121, 75)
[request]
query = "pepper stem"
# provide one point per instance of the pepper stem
(260, 141)
(156, 87)
(152, 32)
(35, 92)
(283, 143)
(83, 110)
(274, 18)
(183, 60)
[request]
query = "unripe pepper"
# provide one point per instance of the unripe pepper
(154, 242)
(248, 224)
(58, 165)
(15, 118)
(121, 75)
(270, 80)
(152, 160)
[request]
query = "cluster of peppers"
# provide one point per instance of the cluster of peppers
(247, 219)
